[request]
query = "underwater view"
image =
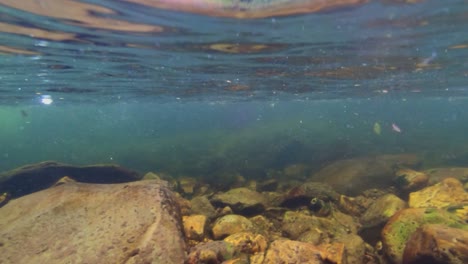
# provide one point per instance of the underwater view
(281, 131)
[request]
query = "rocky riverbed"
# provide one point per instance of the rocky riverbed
(380, 209)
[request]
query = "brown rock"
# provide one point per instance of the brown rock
(438, 174)
(352, 176)
(449, 192)
(304, 193)
(334, 253)
(93, 223)
(194, 226)
(241, 200)
(261, 224)
(215, 252)
(248, 242)
(437, 244)
(289, 251)
(187, 185)
(44, 174)
(355, 248)
(405, 222)
(336, 225)
(410, 180)
(231, 224)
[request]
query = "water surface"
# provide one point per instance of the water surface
(99, 81)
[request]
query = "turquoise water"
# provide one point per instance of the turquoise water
(166, 91)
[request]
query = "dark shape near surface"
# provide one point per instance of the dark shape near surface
(35, 177)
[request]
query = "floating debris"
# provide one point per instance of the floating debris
(396, 128)
(377, 128)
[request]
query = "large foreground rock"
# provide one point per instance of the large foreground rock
(91, 223)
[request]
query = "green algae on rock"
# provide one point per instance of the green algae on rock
(403, 224)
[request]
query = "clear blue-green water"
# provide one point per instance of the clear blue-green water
(197, 95)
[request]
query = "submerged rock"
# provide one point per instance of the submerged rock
(247, 242)
(381, 210)
(305, 193)
(410, 180)
(213, 252)
(404, 223)
(241, 200)
(93, 223)
(437, 244)
(438, 174)
(194, 226)
(201, 205)
(449, 192)
(39, 176)
(332, 227)
(231, 224)
(289, 251)
(353, 176)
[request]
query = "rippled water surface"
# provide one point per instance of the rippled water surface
(185, 93)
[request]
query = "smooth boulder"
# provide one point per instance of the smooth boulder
(93, 223)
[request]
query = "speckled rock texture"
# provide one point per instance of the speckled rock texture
(93, 223)
(437, 244)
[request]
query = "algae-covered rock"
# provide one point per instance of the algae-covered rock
(353, 176)
(35, 177)
(449, 192)
(381, 210)
(403, 224)
(93, 223)
(231, 224)
(241, 200)
(435, 243)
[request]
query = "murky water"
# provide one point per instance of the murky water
(124, 82)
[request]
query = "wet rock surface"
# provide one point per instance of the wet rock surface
(403, 224)
(438, 174)
(289, 221)
(381, 210)
(353, 176)
(436, 243)
(449, 192)
(35, 177)
(241, 200)
(231, 224)
(93, 223)
(289, 251)
(410, 180)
